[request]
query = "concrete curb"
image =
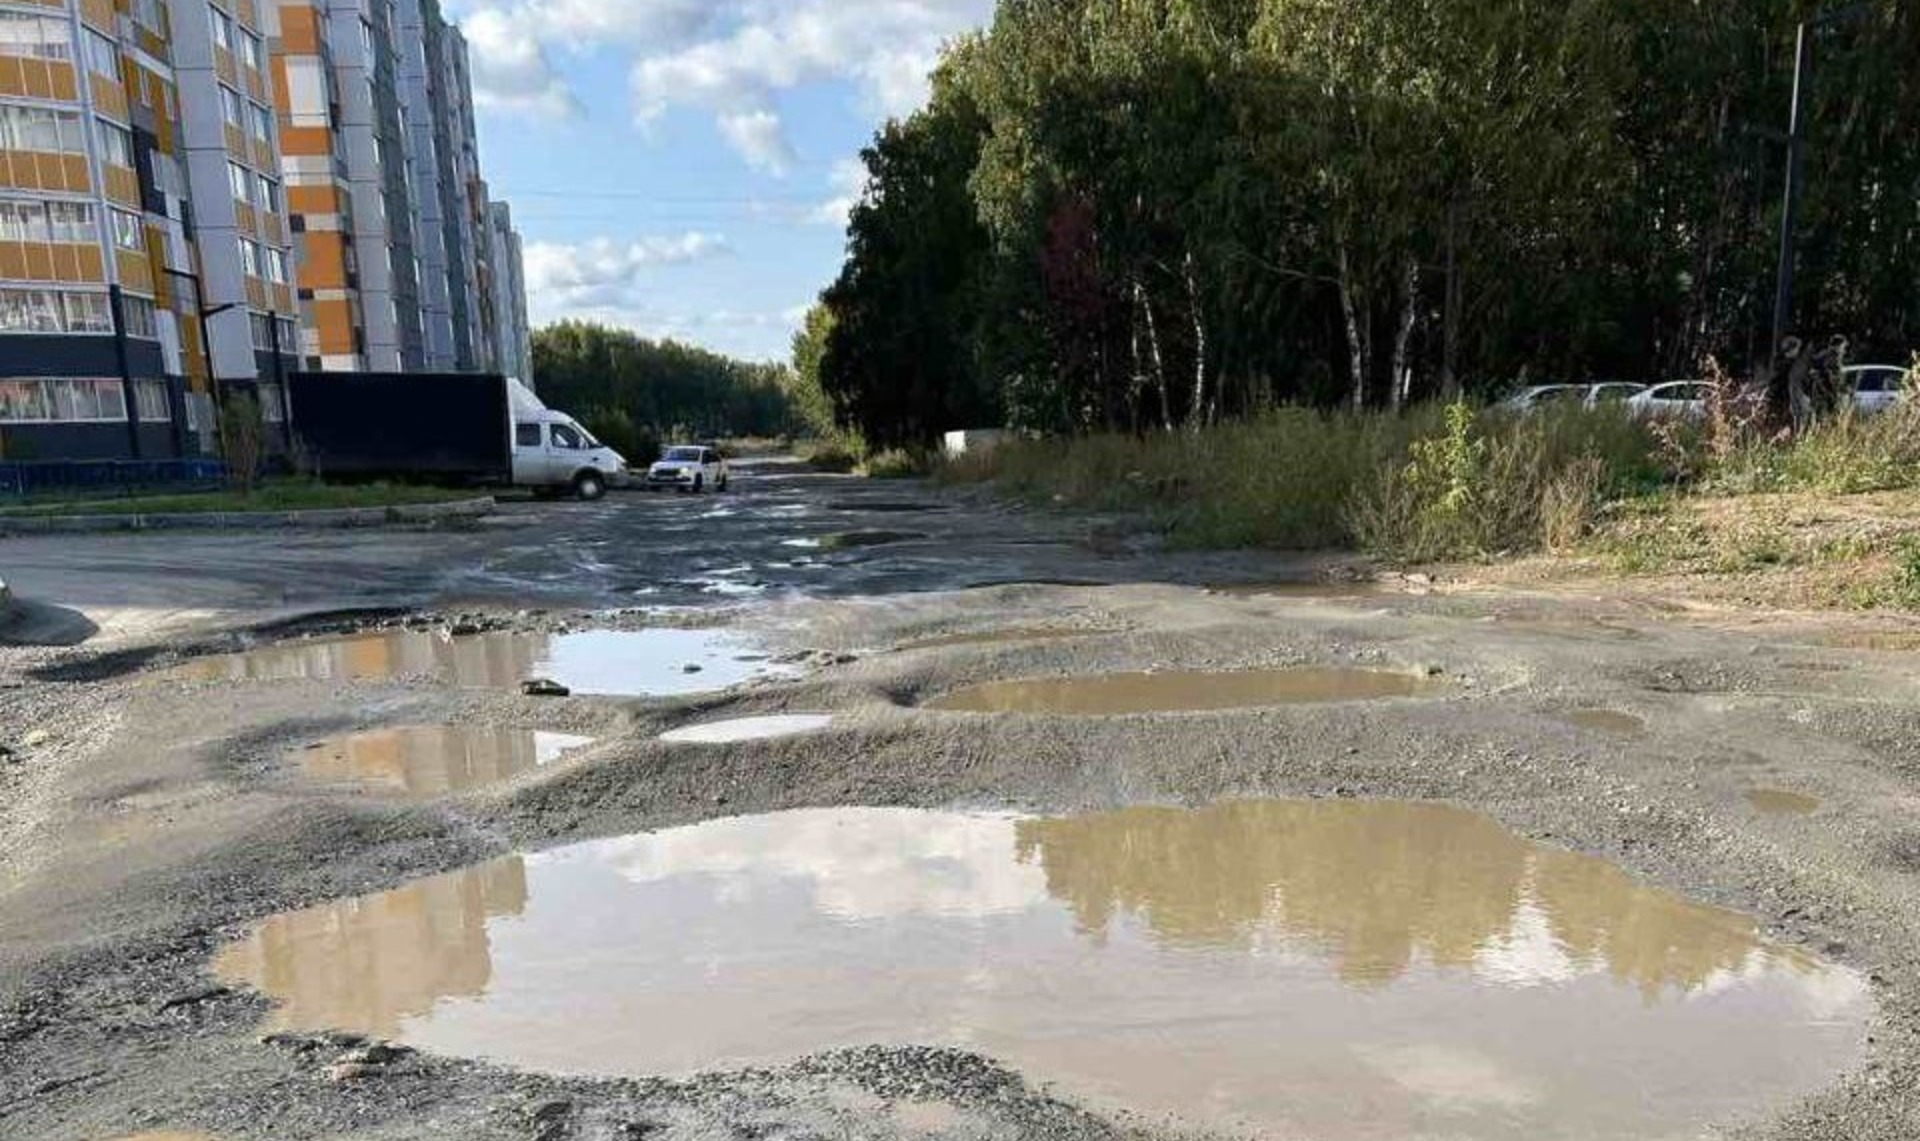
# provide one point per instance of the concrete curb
(9, 609)
(337, 518)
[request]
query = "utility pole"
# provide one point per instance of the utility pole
(1796, 160)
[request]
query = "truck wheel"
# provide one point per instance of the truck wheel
(699, 482)
(588, 486)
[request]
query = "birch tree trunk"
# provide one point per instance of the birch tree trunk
(1403, 336)
(1199, 414)
(1359, 338)
(1153, 350)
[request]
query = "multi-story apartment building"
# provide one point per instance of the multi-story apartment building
(203, 195)
(513, 338)
(348, 185)
(112, 287)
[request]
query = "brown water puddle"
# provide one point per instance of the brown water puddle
(1113, 695)
(600, 662)
(1345, 971)
(1779, 802)
(1605, 721)
(431, 761)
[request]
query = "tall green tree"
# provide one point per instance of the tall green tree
(662, 387)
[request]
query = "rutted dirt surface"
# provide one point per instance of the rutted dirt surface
(148, 821)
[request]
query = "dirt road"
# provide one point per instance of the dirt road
(152, 815)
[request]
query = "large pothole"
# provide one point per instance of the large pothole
(1333, 970)
(429, 761)
(614, 663)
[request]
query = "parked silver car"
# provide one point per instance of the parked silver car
(1563, 395)
(1679, 399)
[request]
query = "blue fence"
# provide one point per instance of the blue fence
(107, 477)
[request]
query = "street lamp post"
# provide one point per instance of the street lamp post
(1796, 152)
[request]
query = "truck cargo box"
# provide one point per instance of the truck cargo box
(433, 427)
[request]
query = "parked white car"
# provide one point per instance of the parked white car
(1680, 399)
(1877, 387)
(1563, 395)
(689, 468)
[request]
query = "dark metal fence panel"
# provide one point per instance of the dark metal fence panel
(107, 477)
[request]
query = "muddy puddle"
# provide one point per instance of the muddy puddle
(1113, 695)
(1605, 721)
(1336, 970)
(749, 729)
(1780, 802)
(613, 663)
(430, 761)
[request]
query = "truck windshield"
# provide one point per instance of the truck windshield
(683, 455)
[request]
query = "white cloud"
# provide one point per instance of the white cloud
(732, 59)
(565, 279)
(759, 138)
(512, 71)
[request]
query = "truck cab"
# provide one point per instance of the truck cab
(552, 451)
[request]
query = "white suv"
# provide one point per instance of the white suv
(689, 468)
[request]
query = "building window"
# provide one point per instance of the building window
(273, 404)
(268, 194)
(250, 53)
(222, 27)
(289, 334)
(103, 56)
(36, 37)
(40, 129)
(153, 14)
(250, 257)
(138, 313)
(62, 400)
(93, 313)
(232, 108)
(30, 311)
(116, 144)
(72, 222)
(51, 311)
(129, 233)
(262, 123)
(24, 222)
(308, 101)
(151, 403)
(241, 181)
(277, 267)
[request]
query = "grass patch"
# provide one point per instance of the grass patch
(278, 496)
(1434, 482)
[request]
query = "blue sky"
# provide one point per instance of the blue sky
(683, 167)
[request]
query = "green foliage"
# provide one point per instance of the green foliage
(892, 345)
(1904, 593)
(243, 440)
(897, 463)
(616, 429)
(660, 386)
(1128, 215)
